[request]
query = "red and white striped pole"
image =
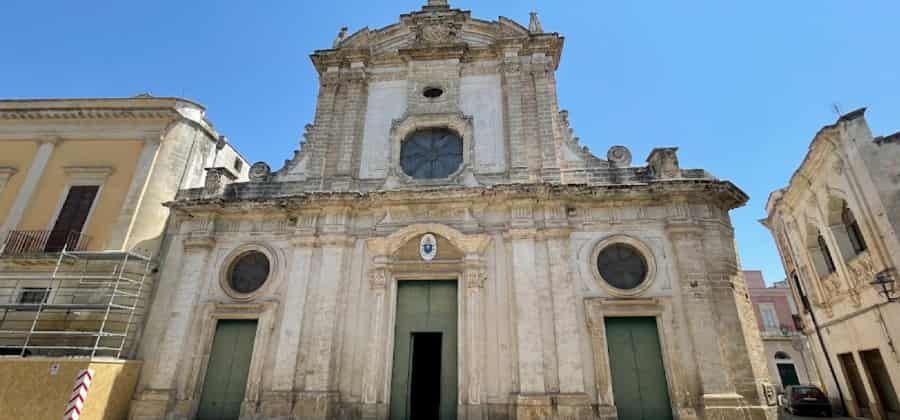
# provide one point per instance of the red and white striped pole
(79, 394)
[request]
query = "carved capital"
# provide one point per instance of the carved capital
(304, 241)
(336, 240)
(198, 241)
(378, 278)
(519, 234)
(555, 233)
(684, 231)
(475, 277)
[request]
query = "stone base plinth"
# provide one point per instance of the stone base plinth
(732, 406)
(276, 405)
(311, 405)
(150, 405)
(552, 406)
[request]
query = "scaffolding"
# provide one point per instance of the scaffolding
(91, 304)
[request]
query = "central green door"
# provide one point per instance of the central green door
(227, 370)
(638, 377)
(423, 381)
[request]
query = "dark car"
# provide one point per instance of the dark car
(806, 399)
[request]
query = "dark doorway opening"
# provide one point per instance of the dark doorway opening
(788, 374)
(857, 391)
(425, 378)
(881, 381)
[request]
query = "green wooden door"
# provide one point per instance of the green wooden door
(425, 322)
(788, 374)
(226, 373)
(638, 376)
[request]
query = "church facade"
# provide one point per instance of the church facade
(442, 247)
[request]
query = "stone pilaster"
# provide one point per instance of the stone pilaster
(527, 322)
(128, 215)
(319, 397)
(511, 72)
(474, 275)
(545, 115)
(278, 401)
(160, 392)
(323, 126)
(28, 187)
(719, 397)
(373, 376)
(568, 350)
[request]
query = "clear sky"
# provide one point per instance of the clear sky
(740, 87)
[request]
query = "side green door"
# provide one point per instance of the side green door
(638, 376)
(226, 373)
(426, 306)
(788, 374)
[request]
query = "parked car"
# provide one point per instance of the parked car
(806, 399)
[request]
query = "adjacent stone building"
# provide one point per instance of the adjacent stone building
(441, 246)
(82, 222)
(786, 348)
(836, 227)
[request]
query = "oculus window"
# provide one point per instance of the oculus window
(431, 153)
(622, 266)
(248, 272)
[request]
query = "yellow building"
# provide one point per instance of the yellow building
(82, 187)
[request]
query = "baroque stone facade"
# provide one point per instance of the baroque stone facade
(518, 218)
(836, 228)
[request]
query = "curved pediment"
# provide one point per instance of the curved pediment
(437, 32)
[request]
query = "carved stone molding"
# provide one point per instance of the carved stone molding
(467, 243)
(403, 127)
(378, 278)
(475, 276)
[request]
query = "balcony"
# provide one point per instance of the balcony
(30, 242)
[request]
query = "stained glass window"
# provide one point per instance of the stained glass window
(431, 153)
(622, 266)
(249, 272)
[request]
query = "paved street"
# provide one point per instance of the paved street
(783, 415)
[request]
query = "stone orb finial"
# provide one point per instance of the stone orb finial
(619, 156)
(260, 172)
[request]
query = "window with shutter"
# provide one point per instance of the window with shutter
(72, 216)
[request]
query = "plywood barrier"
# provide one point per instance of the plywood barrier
(39, 387)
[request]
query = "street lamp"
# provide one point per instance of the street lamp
(887, 285)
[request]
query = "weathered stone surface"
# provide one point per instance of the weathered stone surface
(518, 226)
(846, 171)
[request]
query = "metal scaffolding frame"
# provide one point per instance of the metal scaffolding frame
(90, 304)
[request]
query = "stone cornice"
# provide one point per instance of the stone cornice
(820, 149)
(722, 193)
(86, 114)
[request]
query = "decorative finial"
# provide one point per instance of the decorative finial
(340, 37)
(437, 4)
(534, 24)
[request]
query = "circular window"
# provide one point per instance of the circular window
(248, 272)
(431, 153)
(622, 266)
(432, 92)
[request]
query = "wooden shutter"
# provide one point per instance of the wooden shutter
(71, 218)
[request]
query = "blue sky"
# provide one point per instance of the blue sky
(740, 87)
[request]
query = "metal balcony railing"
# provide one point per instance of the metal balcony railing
(20, 242)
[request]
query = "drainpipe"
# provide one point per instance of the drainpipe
(806, 305)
